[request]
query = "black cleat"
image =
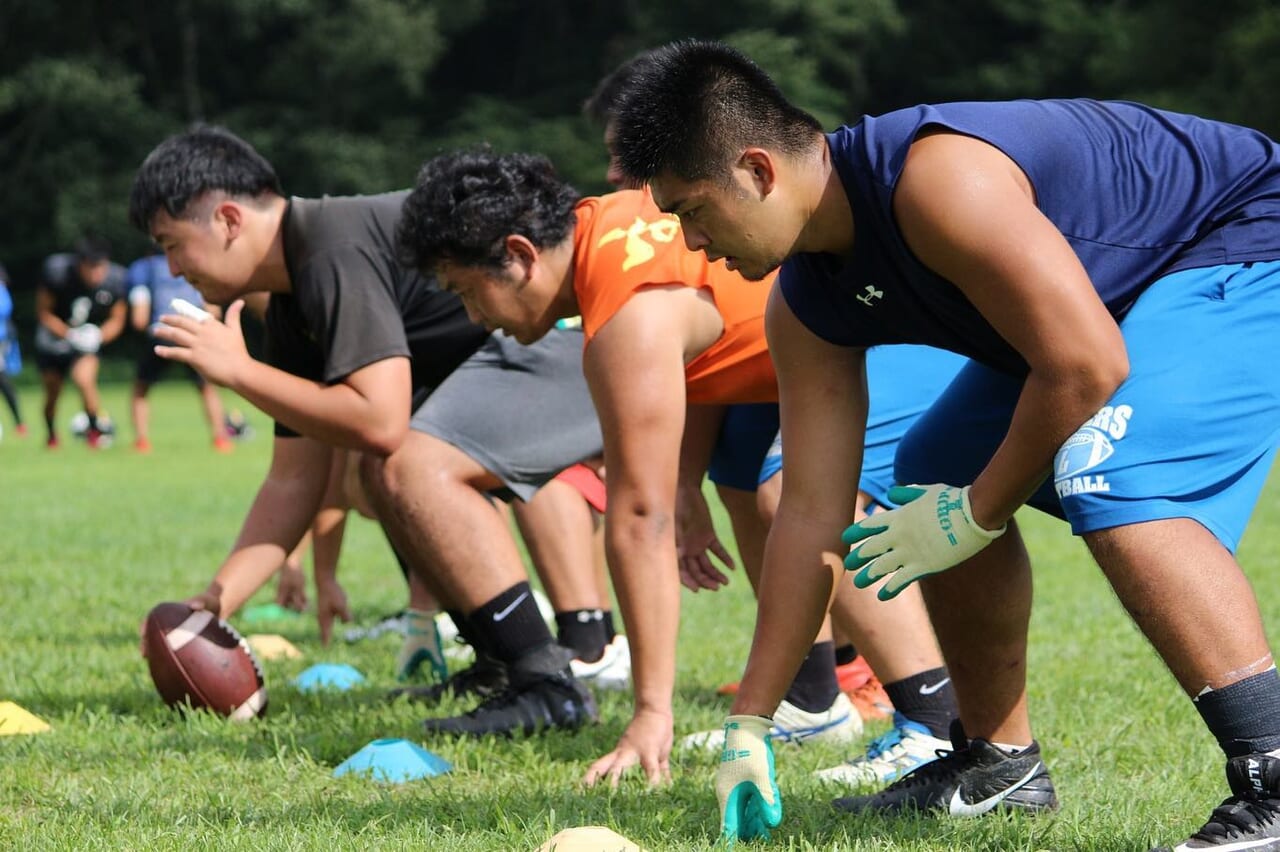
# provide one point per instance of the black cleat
(974, 778)
(484, 678)
(1250, 818)
(528, 705)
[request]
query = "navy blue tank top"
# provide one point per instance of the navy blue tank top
(1137, 192)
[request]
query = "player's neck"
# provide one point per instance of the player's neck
(830, 226)
(272, 272)
(560, 259)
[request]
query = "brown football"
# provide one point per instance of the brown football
(198, 659)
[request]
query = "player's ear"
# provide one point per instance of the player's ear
(760, 168)
(522, 253)
(230, 217)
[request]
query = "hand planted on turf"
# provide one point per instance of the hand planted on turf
(646, 741)
(215, 349)
(932, 530)
(291, 587)
(696, 543)
(750, 803)
(331, 602)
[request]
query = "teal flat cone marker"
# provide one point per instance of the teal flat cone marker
(267, 612)
(394, 761)
(339, 676)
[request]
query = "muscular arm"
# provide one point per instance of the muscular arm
(635, 369)
(367, 411)
(823, 398)
(969, 213)
(45, 315)
(284, 507)
(114, 325)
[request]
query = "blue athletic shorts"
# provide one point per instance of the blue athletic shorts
(902, 382)
(745, 436)
(1190, 434)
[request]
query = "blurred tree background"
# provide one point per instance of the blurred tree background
(349, 96)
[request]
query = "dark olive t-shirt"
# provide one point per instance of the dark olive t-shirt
(353, 303)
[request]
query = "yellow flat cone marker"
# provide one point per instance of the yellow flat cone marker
(15, 720)
(589, 838)
(273, 646)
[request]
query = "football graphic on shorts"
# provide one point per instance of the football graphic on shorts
(198, 659)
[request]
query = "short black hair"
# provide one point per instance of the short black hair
(189, 164)
(91, 249)
(466, 203)
(692, 103)
(599, 106)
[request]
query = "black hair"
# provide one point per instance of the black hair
(91, 249)
(466, 203)
(189, 164)
(692, 103)
(599, 106)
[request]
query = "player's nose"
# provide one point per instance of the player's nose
(694, 239)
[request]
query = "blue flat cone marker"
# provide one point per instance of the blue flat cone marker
(338, 676)
(16, 720)
(396, 761)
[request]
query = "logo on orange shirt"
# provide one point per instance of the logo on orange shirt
(638, 246)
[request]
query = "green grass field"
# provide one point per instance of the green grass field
(91, 541)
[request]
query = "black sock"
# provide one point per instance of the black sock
(582, 631)
(93, 420)
(465, 631)
(1245, 716)
(926, 698)
(815, 686)
(610, 631)
(510, 625)
(846, 654)
(48, 426)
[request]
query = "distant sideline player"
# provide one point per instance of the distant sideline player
(80, 306)
(152, 288)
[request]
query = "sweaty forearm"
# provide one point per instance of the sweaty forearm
(1048, 412)
(642, 562)
(333, 414)
(276, 522)
(795, 589)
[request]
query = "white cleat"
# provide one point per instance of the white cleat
(611, 671)
(905, 747)
(839, 723)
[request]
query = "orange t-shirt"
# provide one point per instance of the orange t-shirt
(623, 243)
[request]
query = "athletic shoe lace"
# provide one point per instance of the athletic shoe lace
(1239, 816)
(949, 764)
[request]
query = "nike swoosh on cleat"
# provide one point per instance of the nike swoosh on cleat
(930, 689)
(959, 807)
(505, 611)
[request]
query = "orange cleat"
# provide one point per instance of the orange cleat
(223, 445)
(142, 445)
(856, 680)
(21, 429)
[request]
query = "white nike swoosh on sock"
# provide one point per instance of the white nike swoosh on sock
(930, 689)
(959, 807)
(503, 613)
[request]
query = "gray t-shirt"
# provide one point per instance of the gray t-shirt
(353, 303)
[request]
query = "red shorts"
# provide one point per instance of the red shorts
(589, 485)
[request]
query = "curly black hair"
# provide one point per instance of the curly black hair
(692, 103)
(189, 164)
(466, 203)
